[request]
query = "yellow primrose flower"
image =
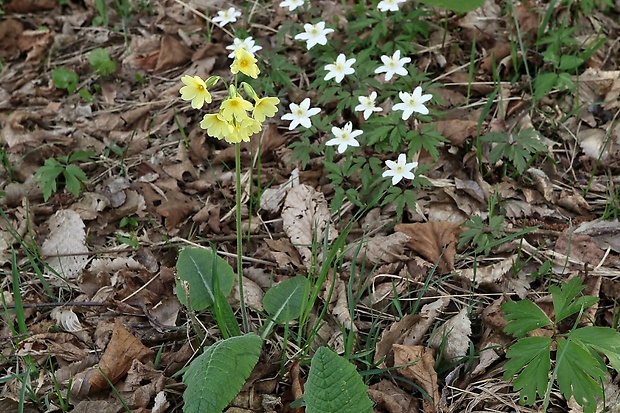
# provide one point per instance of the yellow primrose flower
(217, 126)
(235, 108)
(195, 90)
(245, 63)
(243, 130)
(265, 108)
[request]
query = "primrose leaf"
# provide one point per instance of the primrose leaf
(334, 386)
(531, 356)
(215, 377)
(198, 268)
(580, 373)
(524, 316)
(284, 302)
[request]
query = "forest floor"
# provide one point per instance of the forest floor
(107, 176)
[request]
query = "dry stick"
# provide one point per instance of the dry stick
(156, 324)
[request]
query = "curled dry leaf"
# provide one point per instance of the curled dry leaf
(378, 249)
(418, 364)
(341, 307)
(141, 385)
(454, 336)
(305, 219)
(435, 241)
(116, 361)
(392, 398)
(65, 246)
(408, 331)
(62, 345)
(490, 274)
(66, 319)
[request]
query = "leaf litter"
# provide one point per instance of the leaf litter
(114, 304)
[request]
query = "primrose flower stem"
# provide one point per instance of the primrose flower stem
(244, 314)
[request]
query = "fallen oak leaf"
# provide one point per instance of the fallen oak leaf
(116, 361)
(418, 364)
(434, 241)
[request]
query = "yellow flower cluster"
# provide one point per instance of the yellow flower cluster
(232, 123)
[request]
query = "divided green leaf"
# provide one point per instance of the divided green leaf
(564, 303)
(335, 386)
(524, 316)
(580, 373)
(46, 177)
(215, 377)
(579, 368)
(530, 360)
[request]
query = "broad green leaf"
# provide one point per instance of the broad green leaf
(215, 377)
(99, 58)
(334, 386)
(543, 84)
(65, 79)
(602, 339)
(580, 373)
(530, 358)
(284, 301)
(458, 6)
(198, 268)
(524, 316)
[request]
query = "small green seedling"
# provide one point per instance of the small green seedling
(519, 148)
(74, 178)
(578, 365)
(100, 60)
(65, 79)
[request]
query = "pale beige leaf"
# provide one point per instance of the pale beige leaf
(66, 319)
(305, 219)
(65, 246)
(489, 274)
(454, 334)
(341, 307)
(271, 198)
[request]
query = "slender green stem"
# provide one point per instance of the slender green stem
(244, 315)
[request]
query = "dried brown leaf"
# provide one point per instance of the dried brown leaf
(379, 248)
(389, 397)
(116, 361)
(456, 131)
(435, 241)
(418, 365)
(489, 274)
